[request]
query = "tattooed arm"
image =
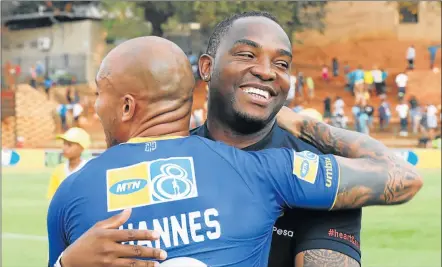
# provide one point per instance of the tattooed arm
(324, 258)
(371, 174)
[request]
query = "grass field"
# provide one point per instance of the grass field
(403, 236)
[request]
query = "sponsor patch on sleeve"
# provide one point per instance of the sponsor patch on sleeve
(305, 166)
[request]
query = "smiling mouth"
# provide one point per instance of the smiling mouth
(255, 92)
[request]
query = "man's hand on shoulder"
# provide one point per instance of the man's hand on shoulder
(324, 258)
(101, 246)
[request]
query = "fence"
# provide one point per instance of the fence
(71, 64)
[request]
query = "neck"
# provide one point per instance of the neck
(73, 163)
(225, 133)
(172, 122)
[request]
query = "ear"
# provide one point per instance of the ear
(128, 108)
(205, 65)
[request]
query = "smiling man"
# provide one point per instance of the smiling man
(247, 67)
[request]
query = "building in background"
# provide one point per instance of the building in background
(64, 37)
(350, 20)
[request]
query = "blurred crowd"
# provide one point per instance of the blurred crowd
(420, 119)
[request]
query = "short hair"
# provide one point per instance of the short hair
(223, 27)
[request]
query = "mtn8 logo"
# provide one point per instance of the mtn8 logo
(309, 155)
(172, 183)
(183, 262)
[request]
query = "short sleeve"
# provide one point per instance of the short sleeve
(285, 178)
(56, 224)
(296, 179)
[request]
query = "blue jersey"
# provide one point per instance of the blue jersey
(210, 202)
(299, 229)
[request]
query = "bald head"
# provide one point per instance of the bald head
(148, 66)
(144, 83)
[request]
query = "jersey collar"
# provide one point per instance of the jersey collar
(136, 140)
(262, 144)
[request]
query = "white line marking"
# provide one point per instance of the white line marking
(24, 237)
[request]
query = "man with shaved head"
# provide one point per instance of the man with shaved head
(153, 86)
(210, 204)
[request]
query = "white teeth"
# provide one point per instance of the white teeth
(256, 91)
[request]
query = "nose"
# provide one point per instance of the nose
(263, 70)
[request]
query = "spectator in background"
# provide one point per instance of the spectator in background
(433, 50)
(62, 111)
(377, 80)
(325, 76)
(33, 74)
(402, 110)
(77, 111)
(359, 84)
(356, 110)
(384, 81)
(431, 120)
(339, 118)
(349, 86)
(47, 85)
(193, 59)
(415, 114)
(401, 83)
(384, 114)
(369, 110)
(335, 66)
(17, 74)
(76, 140)
(411, 56)
(327, 109)
(338, 106)
(363, 122)
(300, 84)
(368, 81)
(292, 90)
(310, 87)
(40, 69)
(423, 127)
(72, 95)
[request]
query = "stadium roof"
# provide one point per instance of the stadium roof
(28, 14)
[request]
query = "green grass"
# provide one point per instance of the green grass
(403, 236)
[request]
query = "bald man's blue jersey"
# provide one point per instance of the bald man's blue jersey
(209, 201)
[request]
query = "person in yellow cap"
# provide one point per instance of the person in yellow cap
(76, 140)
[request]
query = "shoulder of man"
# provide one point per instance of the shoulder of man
(287, 140)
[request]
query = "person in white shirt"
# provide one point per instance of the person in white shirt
(377, 80)
(339, 106)
(339, 118)
(431, 120)
(401, 83)
(291, 94)
(402, 110)
(411, 55)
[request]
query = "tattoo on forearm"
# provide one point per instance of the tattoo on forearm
(376, 165)
(327, 258)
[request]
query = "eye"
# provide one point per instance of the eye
(245, 54)
(282, 64)
(96, 93)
